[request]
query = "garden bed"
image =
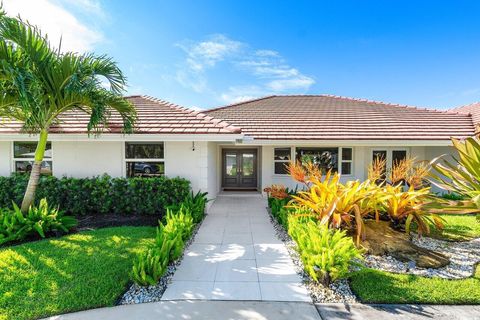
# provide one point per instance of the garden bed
(116, 220)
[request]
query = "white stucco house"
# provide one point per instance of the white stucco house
(242, 146)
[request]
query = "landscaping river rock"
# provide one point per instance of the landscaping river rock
(138, 294)
(463, 258)
(338, 291)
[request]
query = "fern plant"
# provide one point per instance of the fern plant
(326, 253)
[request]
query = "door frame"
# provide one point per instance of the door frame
(224, 150)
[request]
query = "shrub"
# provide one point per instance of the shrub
(100, 195)
(326, 253)
(37, 222)
(169, 243)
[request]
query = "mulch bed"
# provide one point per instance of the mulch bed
(113, 220)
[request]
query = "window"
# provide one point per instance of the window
(24, 156)
(144, 159)
(398, 155)
(391, 156)
(347, 160)
(325, 158)
(281, 159)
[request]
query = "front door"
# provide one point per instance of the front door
(240, 168)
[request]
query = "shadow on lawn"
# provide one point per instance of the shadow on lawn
(72, 273)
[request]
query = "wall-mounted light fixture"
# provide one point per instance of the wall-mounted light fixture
(193, 145)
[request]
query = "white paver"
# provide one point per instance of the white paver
(237, 256)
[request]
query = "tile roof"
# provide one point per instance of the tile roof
(472, 109)
(154, 117)
(326, 117)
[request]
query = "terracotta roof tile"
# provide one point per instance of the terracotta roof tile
(472, 109)
(326, 117)
(154, 116)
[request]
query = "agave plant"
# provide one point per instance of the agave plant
(462, 176)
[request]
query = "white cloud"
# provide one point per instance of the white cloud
(268, 70)
(57, 22)
(298, 82)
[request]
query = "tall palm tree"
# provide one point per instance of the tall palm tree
(38, 83)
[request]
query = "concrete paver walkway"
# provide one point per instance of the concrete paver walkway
(237, 256)
(270, 310)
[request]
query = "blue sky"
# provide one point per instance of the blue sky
(209, 53)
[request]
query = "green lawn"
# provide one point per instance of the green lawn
(458, 227)
(75, 272)
(374, 286)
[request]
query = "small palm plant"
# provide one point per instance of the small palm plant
(38, 83)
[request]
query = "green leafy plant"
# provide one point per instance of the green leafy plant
(168, 246)
(39, 221)
(100, 195)
(149, 266)
(193, 203)
(180, 222)
(326, 253)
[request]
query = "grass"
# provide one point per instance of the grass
(374, 286)
(75, 272)
(458, 228)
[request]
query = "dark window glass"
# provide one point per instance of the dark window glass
(346, 168)
(26, 166)
(281, 168)
(347, 154)
(325, 158)
(282, 154)
(144, 150)
(145, 169)
(26, 150)
(398, 155)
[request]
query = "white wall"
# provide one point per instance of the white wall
(5, 158)
(87, 158)
(199, 165)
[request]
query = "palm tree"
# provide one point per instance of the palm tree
(38, 83)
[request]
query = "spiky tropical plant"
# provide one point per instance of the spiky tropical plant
(38, 83)
(460, 176)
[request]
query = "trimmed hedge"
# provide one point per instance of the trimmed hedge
(99, 195)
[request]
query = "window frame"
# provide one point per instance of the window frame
(13, 166)
(127, 160)
(281, 161)
(293, 151)
(341, 161)
(389, 151)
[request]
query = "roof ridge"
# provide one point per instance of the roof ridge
(449, 111)
(196, 113)
(239, 103)
(456, 109)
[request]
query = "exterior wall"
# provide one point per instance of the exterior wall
(5, 158)
(87, 158)
(198, 165)
(362, 157)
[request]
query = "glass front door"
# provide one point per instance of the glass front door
(239, 168)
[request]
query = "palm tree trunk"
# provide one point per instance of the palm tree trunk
(29, 196)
